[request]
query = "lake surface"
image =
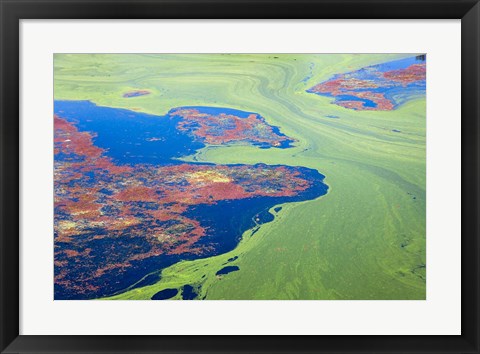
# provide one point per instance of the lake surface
(228, 269)
(165, 294)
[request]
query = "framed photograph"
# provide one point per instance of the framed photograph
(194, 176)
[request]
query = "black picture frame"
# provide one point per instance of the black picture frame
(12, 11)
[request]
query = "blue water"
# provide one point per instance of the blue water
(188, 292)
(125, 133)
(149, 280)
(285, 143)
(366, 102)
(165, 294)
(227, 269)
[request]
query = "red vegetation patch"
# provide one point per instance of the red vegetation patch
(137, 212)
(415, 72)
(137, 194)
(225, 128)
(368, 88)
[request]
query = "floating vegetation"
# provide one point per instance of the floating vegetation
(379, 87)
